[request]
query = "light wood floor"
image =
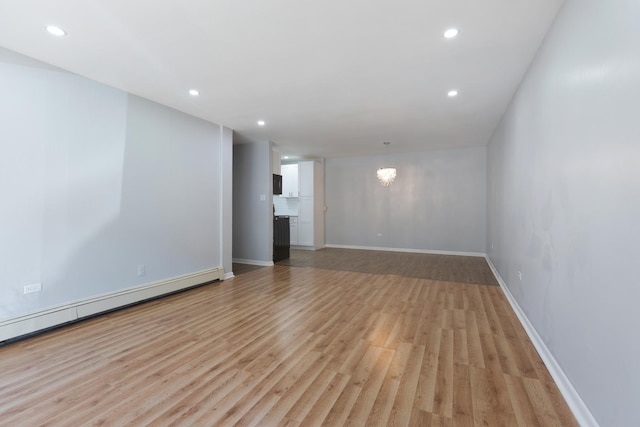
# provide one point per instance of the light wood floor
(289, 346)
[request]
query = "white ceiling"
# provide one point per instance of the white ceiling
(329, 77)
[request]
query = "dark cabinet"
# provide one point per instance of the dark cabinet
(281, 238)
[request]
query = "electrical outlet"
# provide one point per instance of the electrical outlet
(141, 270)
(29, 289)
(520, 275)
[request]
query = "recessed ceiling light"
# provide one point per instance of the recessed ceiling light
(286, 157)
(56, 31)
(193, 92)
(452, 93)
(261, 123)
(451, 33)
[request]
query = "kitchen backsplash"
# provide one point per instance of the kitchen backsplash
(286, 205)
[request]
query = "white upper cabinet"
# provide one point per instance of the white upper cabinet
(305, 172)
(289, 180)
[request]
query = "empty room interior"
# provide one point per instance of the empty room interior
(320, 213)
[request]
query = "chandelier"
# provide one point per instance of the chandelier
(386, 175)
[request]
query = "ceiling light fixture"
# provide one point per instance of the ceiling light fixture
(452, 93)
(193, 92)
(451, 33)
(56, 31)
(261, 123)
(388, 174)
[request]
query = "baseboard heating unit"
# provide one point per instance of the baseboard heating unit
(71, 312)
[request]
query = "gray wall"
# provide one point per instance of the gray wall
(94, 182)
(437, 202)
(564, 201)
(252, 216)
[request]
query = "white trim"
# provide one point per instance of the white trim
(228, 276)
(303, 248)
(307, 248)
(417, 251)
(253, 262)
(58, 315)
(570, 394)
(222, 200)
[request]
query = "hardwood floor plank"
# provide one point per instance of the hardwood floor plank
(318, 413)
(496, 388)
(405, 396)
(524, 411)
(426, 388)
(84, 384)
(474, 346)
(543, 407)
(420, 418)
(383, 405)
(506, 358)
(462, 403)
(235, 404)
(306, 402)
(289, 389)
(443, 398)
(370, 387)
(460, 347)
(175, 378)
(483, 398)
(492, 319)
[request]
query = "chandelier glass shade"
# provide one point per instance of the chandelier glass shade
(386, 175)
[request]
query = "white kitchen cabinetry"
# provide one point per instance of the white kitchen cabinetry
(289, 180)
(306, 177)
(311, 208)
(305, 224)
(293, 229)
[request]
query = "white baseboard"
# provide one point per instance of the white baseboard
(417, 251)
(303, 248)
(55, 316)
(308, 248)
(253, 262)
(228, 276)
(570, 394)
